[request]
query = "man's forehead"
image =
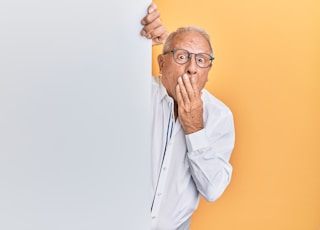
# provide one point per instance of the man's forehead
(192, 39)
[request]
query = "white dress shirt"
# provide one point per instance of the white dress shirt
(185, 166)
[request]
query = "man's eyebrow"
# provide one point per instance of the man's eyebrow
(201, 52)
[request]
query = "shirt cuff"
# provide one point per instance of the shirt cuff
(197, 140)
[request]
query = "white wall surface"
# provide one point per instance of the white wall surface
(74, 115)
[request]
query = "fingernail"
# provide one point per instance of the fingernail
(185, 76)
(143, 22)
(149, 36)
(151, 10)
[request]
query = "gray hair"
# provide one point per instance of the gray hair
(180, 30)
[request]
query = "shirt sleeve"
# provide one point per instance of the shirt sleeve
(209, 152)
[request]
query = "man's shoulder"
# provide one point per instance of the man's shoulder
(158, 91)
(212, 103)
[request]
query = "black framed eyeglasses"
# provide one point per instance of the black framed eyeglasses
(182, 56)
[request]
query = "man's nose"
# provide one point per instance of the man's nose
(192, 66)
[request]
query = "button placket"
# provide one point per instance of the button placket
(162, 181)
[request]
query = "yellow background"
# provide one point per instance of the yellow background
(267, 70)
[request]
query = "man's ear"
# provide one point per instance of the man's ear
(210, 66)
(160, 62)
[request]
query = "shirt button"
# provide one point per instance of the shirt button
(164, 168)
(159, 193)
(153, 217)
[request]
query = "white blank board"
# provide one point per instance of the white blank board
(74, 115)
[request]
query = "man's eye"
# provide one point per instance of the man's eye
(182, 57)
(201, 60)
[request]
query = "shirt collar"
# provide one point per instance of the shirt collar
(163, 92)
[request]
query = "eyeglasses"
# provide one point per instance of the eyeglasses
(182, 56)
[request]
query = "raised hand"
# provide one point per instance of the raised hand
(153, 27)
(190, 105)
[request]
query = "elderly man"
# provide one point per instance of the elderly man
(192, 131)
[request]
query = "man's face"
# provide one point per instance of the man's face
(193, 42)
